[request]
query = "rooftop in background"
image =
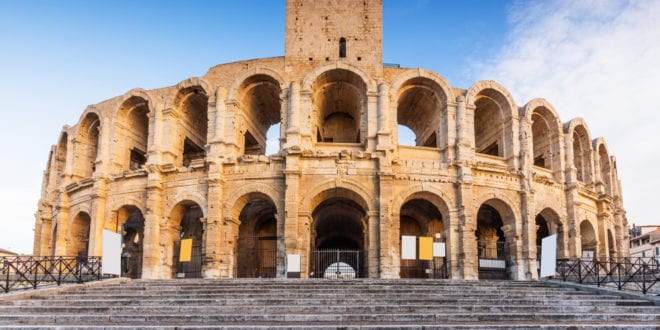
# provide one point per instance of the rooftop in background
(7, 253)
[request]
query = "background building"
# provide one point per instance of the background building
(487, 177)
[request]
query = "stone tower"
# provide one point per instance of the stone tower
(322, 31)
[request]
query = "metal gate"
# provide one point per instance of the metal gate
(337, 264)
(436, 268)
(256, 257)
(192, 269)
(492, 262)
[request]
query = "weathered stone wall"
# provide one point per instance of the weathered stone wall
(203, 144)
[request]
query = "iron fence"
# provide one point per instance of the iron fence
(338, 264)
(33, 272)
(192, 268)
(436, 268)
(635, 274)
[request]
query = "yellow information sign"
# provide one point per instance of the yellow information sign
(185, 253)
(425, 248)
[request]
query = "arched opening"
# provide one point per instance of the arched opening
(545, 139)
(78, 239)
(256, 251)
(186, 223)
(192, 105)
(342, 47)
(59, 159)
(548, 223)
(339, 102)
(489, 123)
(419, 217)
(495, 241)
(133, 128)
(128, 221)
(588, 241)
(582, 154)
(610, 244)
(259, 97)
(338, 239)
(87, 143)
(419, 108)
(605, 173)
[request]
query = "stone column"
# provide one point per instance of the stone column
(448, 131)
(151, 268)
(293, 229)
(213, 230)
(374, 244)
(156, 135)
(387, 237)
(293, 116)
(384, 140)
(168, 150)
(97, 224)
(371, 120)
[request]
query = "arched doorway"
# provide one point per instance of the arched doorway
(185, 223)
(610, 244)
(494, 246)
(338, 239)
(588, 241)
(78, 239)
(128, 221)
(256, 251)
(419, 217)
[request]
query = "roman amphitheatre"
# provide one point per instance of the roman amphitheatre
(487, 176)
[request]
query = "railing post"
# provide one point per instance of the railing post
(6, 265)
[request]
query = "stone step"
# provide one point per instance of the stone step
(337, 319)
(137, 301)
(373, 325)
(319, 309)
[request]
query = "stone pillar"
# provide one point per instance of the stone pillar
(293, 116)
(452, 244)
(293, 229)
(151, 268)
(448, 131)
(384, 130)
(97, 215)
(371, 120)
(464, 130)
(465, 246)
(388, 241)
(62, 221)
(213, 230)
(374, 244)
(168, 150)
(525, 227)
(156, 135)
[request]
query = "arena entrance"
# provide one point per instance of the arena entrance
(189, 227)
(256, 251)
(338, 239)
(493, 252)
(420, 217)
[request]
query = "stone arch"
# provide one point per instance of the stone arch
(339, 223)
(494, 115)
(549, 222)
(128, 220)
(338, 109)
(495, 234)
(191, 104)
(78, 234)
(255, 231)
(435, 196)
(577, 132)
(87, 142)
(258, 97)
(58, 164)
(611, 244)
(603, 163)
(588, 238)
(358, 193)
(422, 107)
(546, 134)
(421, 213)
(233, 91)
(131, 125)
(184, 221)
(190, 197)
(233, 207)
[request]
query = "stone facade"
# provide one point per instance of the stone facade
(488, 177)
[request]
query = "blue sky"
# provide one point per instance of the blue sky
(594, 59)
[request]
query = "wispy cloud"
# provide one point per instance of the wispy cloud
(599, 60)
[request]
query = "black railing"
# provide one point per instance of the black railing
(634, 274)
(338, 264)
(32, 272)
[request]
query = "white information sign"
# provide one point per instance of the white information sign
(588, 255)
(293, 263)
(439, 249)
(549, 255)
(408, 247)
(111, 253)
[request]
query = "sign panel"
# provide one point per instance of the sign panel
(293, 263)
(549, 255)
(408, 247)
(439, 249)
(185, 253)
(588, 255)
(111, 253)
(425, 248)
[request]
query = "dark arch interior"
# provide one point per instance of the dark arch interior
(256, 251)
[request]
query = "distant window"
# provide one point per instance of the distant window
(643, 254)
(342, 47)
(657, 250)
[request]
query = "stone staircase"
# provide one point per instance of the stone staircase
(359, 303)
